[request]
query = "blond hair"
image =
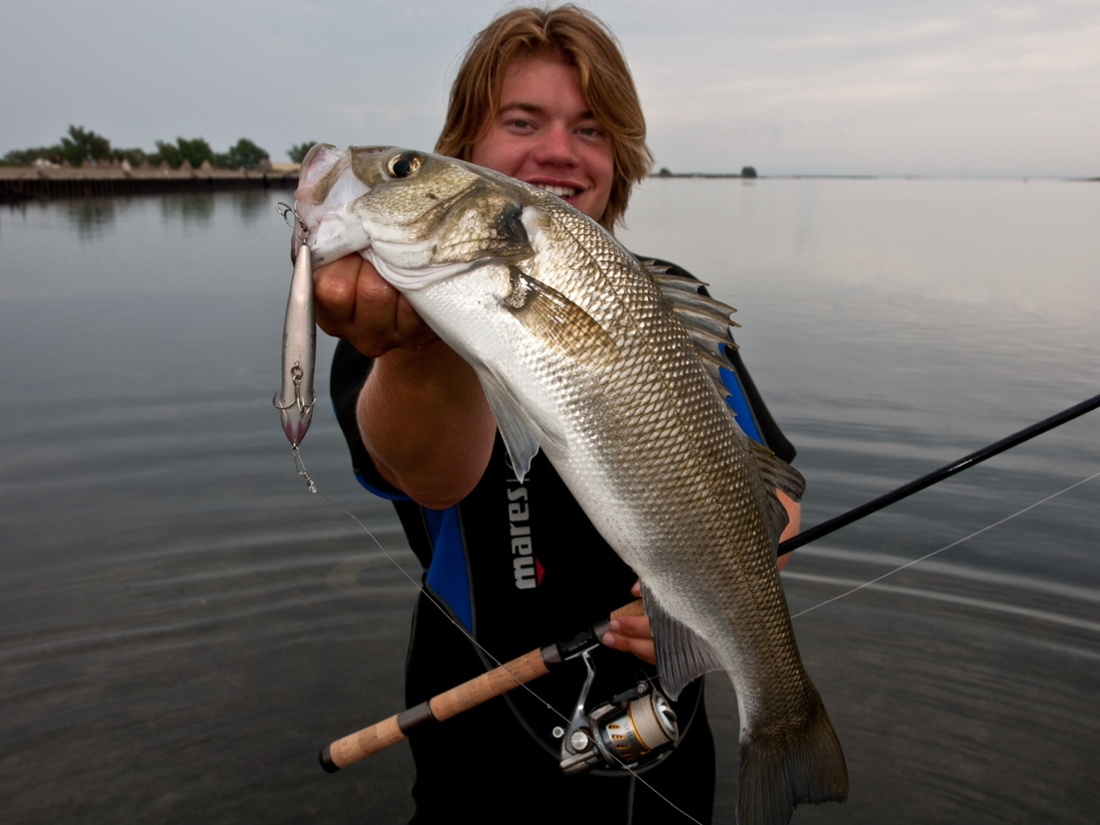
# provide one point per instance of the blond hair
(602, 74)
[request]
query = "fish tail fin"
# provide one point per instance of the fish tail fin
(780, 771)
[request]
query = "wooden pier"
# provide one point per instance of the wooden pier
(23, 183)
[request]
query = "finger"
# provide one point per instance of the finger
(644, 650)
(354, 302)
(335, 288)
(412, 333)
(632, 634)
(383, 318)
(637, 627)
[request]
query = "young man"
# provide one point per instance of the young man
(544, 96)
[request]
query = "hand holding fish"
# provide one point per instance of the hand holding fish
(354, 302)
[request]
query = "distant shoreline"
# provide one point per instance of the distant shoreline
(736, 176)
(24, 183)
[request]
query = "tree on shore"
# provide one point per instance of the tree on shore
(27, 157)
(194, 151)
(76, 147)
(297, 153)
(135, 157)
(80, 146)
(243, 155)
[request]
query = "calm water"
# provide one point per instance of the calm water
(182, 625)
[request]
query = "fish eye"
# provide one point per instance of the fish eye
(405, 164)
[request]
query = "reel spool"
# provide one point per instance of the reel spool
(634, 729)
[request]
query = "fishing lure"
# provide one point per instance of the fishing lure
(296, 397)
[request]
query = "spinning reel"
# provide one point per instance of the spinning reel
(635, 729)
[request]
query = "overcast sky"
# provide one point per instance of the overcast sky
(880, 87)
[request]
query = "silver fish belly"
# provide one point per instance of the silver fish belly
(613, 370)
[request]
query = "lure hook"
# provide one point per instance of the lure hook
(285, 211)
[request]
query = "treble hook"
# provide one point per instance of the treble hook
(285, 210)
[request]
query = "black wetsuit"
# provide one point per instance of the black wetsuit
(520, 566)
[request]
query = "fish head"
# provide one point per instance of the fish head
(416, 216)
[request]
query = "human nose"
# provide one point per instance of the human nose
(557, 147)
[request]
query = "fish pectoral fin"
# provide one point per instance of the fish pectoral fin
(554, 319)
(682, 655)
(521, 433)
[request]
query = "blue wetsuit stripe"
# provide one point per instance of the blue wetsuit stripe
(740, 406)
(448, 575)
(381, 492)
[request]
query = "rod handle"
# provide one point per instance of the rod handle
(379, 736)
(632, 609)
(361, 744)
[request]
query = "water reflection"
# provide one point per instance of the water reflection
(253, 205)
(92, 217)
(190, 209)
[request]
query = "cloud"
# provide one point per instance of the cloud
(855, 86)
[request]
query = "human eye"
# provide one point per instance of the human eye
(591, 131)
(517, 120)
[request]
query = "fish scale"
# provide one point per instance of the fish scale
(582, 354)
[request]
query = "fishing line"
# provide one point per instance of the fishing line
(300, 467)
(955, 543)
(424, 592)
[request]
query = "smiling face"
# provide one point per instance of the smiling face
(543, 133)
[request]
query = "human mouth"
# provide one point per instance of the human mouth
(564, 192)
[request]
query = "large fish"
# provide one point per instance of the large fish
(612, 368)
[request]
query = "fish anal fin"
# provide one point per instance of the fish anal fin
(682, 655)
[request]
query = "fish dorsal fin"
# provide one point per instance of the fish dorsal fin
(708, 322)
(682, 655)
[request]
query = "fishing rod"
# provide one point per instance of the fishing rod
(948, 470)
